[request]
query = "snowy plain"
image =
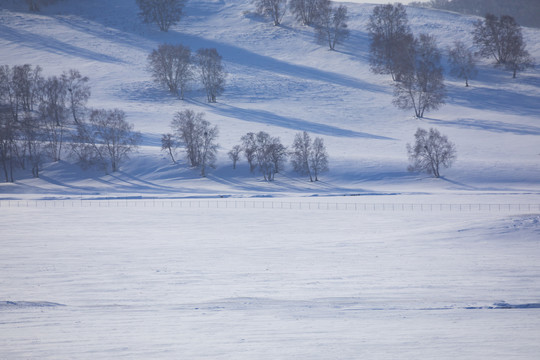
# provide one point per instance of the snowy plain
(155, 262)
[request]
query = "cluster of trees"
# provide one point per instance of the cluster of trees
(502, 39)
(267, 154)
(526, 12)
(197, 138)
(328, 20)
(414, 62)
(175, 68)
(46, 118)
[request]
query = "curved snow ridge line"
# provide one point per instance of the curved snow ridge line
(505, 305)
(26, 304)
(244, 304)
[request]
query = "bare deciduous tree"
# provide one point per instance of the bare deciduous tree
(168, 143)
(422, 88)
(234, 154)
(331, 26)
(115, 135)
(270, 154)
(78, 92)
(211, 72)
(275, 9)
(249, 147)
(430, 152)
(300, 155)
(308, 12)
(171, 66)
(164, 13)
(390, 40)
(318, 158)
(198, 137)
(53, 114)
(462, 62)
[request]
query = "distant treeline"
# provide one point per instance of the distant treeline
(526, 12)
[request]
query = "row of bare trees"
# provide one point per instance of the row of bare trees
(44, 119)
(176, 68)
(197, 139)
(328, 20)
(267, 154)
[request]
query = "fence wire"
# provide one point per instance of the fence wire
(269, 204)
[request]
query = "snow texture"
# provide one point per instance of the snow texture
(154, 262)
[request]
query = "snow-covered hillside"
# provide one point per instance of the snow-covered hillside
(280, 81)
(150, 263)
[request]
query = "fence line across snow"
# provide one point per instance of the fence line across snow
(269, 204)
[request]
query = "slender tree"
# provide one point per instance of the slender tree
(462, 62)
(78, 93)
(308, 12)
(234, 154)
(390, 40)
(318, 158)
(422, 88)
(301, 154)
(275, 9)
(331, 27)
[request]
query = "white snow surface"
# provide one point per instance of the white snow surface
(154, 262)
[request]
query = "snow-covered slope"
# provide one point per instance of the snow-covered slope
(280, 81)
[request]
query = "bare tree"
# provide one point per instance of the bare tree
(234, 154)
(308, 12)
(53, 114)
(318, 158)
(168, 143)
(164, 13)
(26, 82)
(422, 88)
(7, 142)
(501, 38)
(275, 9)
(198, 137)
(519, 59)
(270, 154)
(462, 62)
(301, 154)
(430, 152)
(390, 40)
(32, 140)
(331, 27)
(115, 136)
(171, 66)
(211, 72)
(78, 92)
(249, 147)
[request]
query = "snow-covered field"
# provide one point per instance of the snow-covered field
(171, 281)
(152, 263)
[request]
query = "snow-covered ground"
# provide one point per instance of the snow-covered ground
(125, 265)
(167, 281)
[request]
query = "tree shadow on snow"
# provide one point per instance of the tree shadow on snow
(270, 118)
